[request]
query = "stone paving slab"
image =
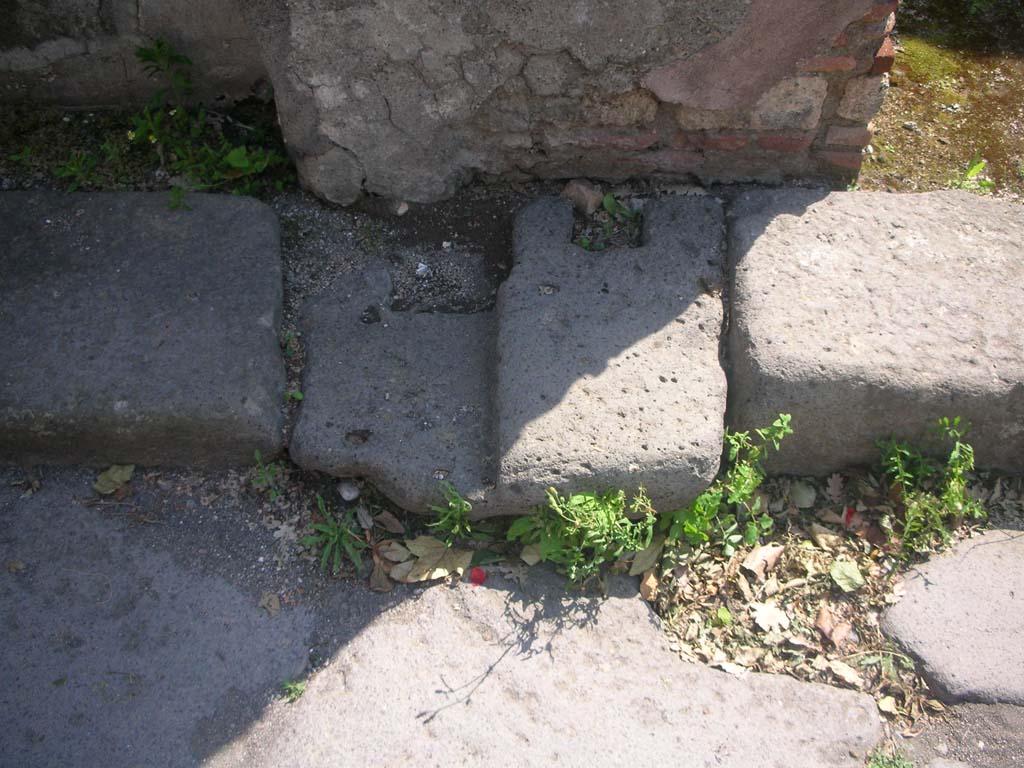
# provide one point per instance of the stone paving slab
(527, 676)
(963, 616)
(398, 397)
(868, 315)
(608, 372)
(131, 333)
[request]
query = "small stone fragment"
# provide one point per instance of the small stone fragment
(349, 492)
(584, 196)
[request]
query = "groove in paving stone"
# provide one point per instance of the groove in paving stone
(867, 315)
(608, 369)
(401, 398)
(132, 333)
(963, 616)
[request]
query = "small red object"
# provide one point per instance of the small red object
(478, 576)
(848, 514)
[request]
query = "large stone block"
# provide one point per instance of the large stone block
(131, 333)
(608, 370)
(399, 397)
(867, 315)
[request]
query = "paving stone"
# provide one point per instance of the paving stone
(608, 363)
(131, 333)
(529, 676)
(866, 316)
(398, 397)
(963, 616)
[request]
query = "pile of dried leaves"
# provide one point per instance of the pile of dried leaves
(809, 602)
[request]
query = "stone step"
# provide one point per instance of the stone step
(399, 397)
(867, 315)
(131, 333)
(608, 370)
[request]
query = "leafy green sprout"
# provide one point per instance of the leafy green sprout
(728, 513)
(934, 496)
(293, 690)
(336, 540)
(580, 532)
(294, 396)
(453, 521)
(79, 168)
(266, 476)
(972, 179)
(880, 759)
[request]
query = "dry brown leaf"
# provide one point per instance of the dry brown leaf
(379, 581)
(762, 559)
(648, 558)
(846, 673)
(15, 566)
(649, 585)
(389, 523)
(271, 603)
(393, 551)
(824, 537)
(769, 616)
(835, 487)
(530, 554)
(888, 705)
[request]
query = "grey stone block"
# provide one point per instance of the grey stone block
(399, 397)
(963, 616)
(608, 369)
(867, 315)
(132, 333)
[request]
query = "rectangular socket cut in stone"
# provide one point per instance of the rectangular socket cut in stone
(608, 372)
(870, 315)
(131, 333)
(401, 398)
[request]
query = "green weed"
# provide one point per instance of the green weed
(727, 513)
(880, 759)
(335, 540)
(294, 396)
(580, 532)
(453, 522)
(266, 476)
(293, 690)
(972, 179)
(79, 168)
(933, 497)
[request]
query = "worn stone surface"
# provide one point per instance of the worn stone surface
(863, 97)
(399, 397)
(608, 373)
(82, 52)
(131, 333)
(866, 318)
(963, 616)
(499, 674)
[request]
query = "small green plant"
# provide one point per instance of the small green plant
(972, 179)
(79, 168)
(881, 759)
(727, 513)
(580, 532)
(289, 344)
(335, 540)
(453, 522)
(22, 157)
(187, 141)
(266, 476)
(293, 690)
(933, 497)
(294, 396)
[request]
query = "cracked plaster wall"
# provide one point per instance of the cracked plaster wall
(411, 98)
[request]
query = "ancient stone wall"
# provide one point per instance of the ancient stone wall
(412, 98)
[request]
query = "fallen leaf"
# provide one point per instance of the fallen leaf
(762, 559)
(723, 616)
(389, 523)
(846, 673)
(364, 518)
(732, 669)
(379, 581)
(935, 705)
(434, 560)
(15, 566)
(113, 478)
(769, 616)
(649, 585)
(400, 571)
(834, 488)
(802, 494)
(394, 551)
(271, 603)
(530, 554)
(846, 575)
(426, 547)
(887, 704)
(648, 558)
(824, 537)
